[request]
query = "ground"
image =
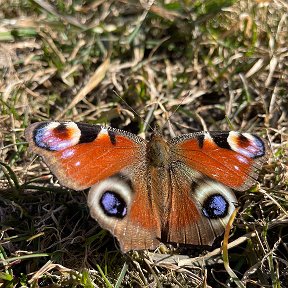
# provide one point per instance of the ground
(216, 65)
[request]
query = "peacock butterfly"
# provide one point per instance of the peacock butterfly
(147, 192)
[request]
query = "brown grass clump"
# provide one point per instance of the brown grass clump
(222, 64)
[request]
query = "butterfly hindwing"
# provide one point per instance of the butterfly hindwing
(205, 206)
(181, 206)
(120, 204)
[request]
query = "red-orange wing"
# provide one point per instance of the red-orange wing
(232, 158)
(81, 154)
(200, 207)
(121, 204)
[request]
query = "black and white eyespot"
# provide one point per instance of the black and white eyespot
(110, 199)
(56, 136)
(246, 144)
(216, 200)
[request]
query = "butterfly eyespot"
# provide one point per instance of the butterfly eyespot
(215, 206)
(55, 136)
(110, 197)
(217, 202)
(248, 145)
(113, 204)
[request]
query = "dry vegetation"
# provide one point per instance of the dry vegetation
(224, 62)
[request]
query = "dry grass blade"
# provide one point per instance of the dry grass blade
(209, 258)
(232, 274)
(92, 83)
(46, 6)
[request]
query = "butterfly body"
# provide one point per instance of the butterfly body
(145, 192)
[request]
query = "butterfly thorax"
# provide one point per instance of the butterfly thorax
(158, 151)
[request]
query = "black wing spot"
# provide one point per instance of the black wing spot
(88, 132)
(112, 137)
(61, 128)
(200, 140)
(221, 140)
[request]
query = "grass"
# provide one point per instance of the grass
(224, 62)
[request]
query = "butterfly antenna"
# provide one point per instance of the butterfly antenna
(146, 120)
(188, 94)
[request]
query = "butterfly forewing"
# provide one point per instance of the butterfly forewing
(80, 154)
(232, 158)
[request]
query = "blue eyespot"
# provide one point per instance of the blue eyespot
(215, 206)
(113, 204)
(39, 134)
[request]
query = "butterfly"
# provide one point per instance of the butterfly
(148, 192)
